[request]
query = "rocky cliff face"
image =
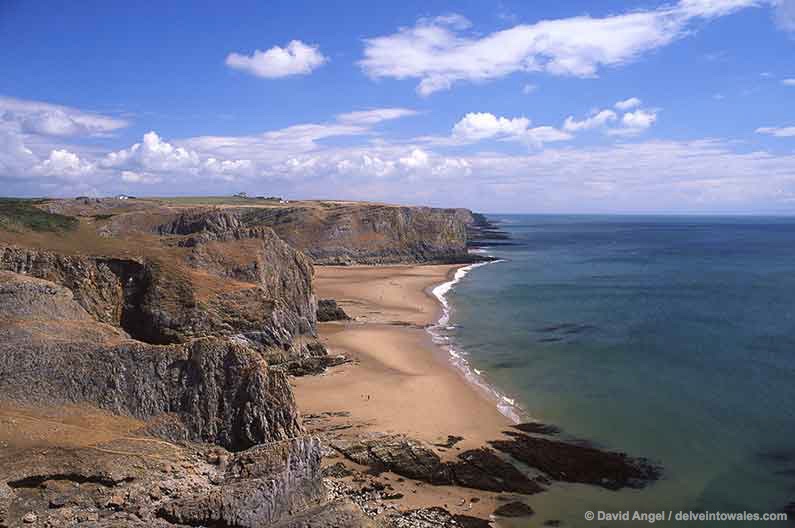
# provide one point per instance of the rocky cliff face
(339, 233)
(369, 234)
(216, 390)
(191, 337)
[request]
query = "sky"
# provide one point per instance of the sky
(511, 106)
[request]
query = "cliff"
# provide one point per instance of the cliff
(184, 340)
(340, 233)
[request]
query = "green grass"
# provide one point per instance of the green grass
(18, 213)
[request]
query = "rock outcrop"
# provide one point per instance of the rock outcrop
(166, 485)
(329, 310)
(570, 462)
(215, 390)
(479, 469)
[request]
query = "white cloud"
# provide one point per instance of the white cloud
(788, 82)
(527, 89)
(36, 117)
(296, 58)
(153, 154)
(634, 123)
(475, 126)
(439, 54)
(376, 115)
(64, 164)
(416, 160)
(628, 104)
(598, 119)
(777, 131)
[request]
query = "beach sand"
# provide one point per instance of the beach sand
(399, 380)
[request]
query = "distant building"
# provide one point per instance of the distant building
(123, 197)
(241, 195)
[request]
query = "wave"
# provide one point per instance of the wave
(457, 356)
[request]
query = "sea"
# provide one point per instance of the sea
(665, 337)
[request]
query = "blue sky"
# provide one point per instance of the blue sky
(508, 106)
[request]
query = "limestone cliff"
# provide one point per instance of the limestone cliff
(336, 232)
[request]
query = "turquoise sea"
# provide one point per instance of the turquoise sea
(671, 338)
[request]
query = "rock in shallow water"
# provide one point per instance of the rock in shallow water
(514, 509)
(576, 463)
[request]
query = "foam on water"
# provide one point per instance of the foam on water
(507, 406)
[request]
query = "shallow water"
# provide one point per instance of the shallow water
(671, 338)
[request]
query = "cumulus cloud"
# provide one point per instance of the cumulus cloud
(527, 89)
(788, 131)
(376, 115)
(482, 125)
(634, 123)
(418, 158)
(628, 104)
(788, 82)
(64, 164)
(439, 53)
(598, 119)
(477, 126)
(296, 58)
(37, 117)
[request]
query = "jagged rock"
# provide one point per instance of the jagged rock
(398, 454)
(477, 469)
(216, 390)
(278, 483)
(538, 428)
(337, 470)
(483, 469)
(337, 233)
(514, 509)
(577, 463)
(329, 310)
(436, 517)
(263, 485)
(162, 300)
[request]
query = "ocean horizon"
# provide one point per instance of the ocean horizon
(663, 336)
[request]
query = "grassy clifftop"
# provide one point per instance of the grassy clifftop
(17, 213)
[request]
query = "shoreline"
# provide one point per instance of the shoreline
(399, 380)
(505, 405)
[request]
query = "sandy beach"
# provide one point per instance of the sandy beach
(399, 380)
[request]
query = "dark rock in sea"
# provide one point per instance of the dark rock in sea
(514, 509)
(483, 469)
(575, 463)
(477, 469)
(329, 310)
(482, 232)
(538, 428)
